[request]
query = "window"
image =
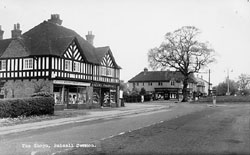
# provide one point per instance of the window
(68, 64)
(137, 83)
(172, 83)
(76, 67)
(103, 71)
(2, 65)
(160, 83)
(108, 72)
(28, 63)
(150, 83)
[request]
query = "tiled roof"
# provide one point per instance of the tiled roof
(52, 39)
(49, 38)
(157, 76)
(3, 45)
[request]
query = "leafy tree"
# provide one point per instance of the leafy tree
(143, 91)
(221, 89)
(135, 91)
(243, 82)
(124, 88)
(182, 51)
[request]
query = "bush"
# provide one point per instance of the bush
(42, 94)
(26, 106)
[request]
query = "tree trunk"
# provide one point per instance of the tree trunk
(184, 90)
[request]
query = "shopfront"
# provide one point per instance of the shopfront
(105, 95)
(70, 94)
(167, 93)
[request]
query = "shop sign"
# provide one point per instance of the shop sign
(103, 85)
(75, 83)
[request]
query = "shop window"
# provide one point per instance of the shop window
(2, 65)
(112, 96)
(82, 96)
(96, 96)
(77, 95)
(57, 94)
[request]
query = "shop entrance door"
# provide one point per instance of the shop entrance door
(105, 97)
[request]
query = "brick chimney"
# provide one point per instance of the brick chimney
(90, 37)
(55, 18)
(1, 33)
(145, 71)
(16, 32)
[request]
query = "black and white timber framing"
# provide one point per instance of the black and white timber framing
(71, 65)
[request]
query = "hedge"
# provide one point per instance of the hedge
(26, 106)
(226, 99)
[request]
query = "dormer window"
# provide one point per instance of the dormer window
(28, 64)
(2, 65)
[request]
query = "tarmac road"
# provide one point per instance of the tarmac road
(214, 130)
(60, 138)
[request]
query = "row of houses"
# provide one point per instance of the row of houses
(50, 57)
(168, 84)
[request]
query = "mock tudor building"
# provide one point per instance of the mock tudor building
(163, 84)
(55, 59)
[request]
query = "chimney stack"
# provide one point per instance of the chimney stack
(145, 71)
(1, 33)
(16, 32)
(55, 18)
(90, 37)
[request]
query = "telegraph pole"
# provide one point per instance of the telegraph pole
(209, 92)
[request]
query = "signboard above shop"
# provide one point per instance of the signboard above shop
(103, 85)
(75, 83)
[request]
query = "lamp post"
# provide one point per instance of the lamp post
(228, 91)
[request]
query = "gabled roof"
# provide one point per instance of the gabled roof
(160, 76)
(102, 51)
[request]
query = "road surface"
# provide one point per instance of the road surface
(56, 139)
(214, 130)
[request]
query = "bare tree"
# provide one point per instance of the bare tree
(182, 51)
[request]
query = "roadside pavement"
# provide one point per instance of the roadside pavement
(106, 113)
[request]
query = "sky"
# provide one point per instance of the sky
(132, 27)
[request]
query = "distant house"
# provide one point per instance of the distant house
(202, 86)
(55, 59)
(162, 84)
